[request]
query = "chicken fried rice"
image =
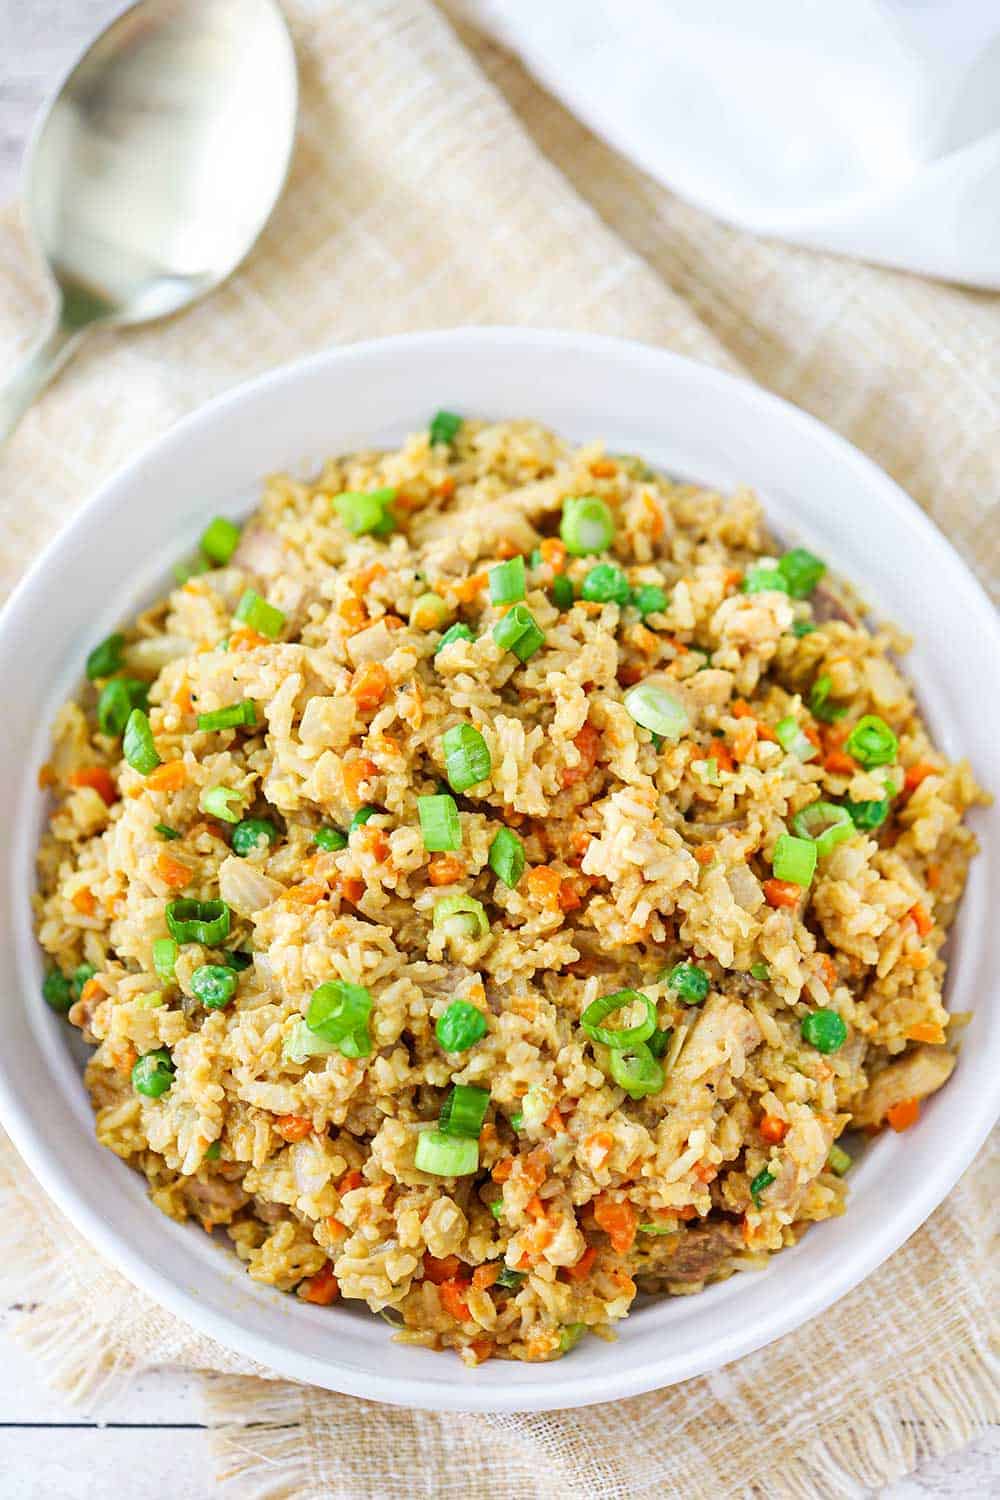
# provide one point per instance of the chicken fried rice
(492, 881)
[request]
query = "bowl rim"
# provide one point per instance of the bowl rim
(564, 1389)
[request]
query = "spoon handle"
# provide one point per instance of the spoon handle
(34, 372)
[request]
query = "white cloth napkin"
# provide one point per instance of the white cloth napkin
(866, 127)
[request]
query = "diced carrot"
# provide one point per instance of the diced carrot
(446, 488)
(765, 732)
(604, 468)
(84, 902)
(243, 638)
(445, 869)
(334, 1228)
(46, 776)
(91, 990)
(705, 1172)
(503, 1169)
(370, 685)
(534, 1167)
(466, 589)
(901, 1116)
(354, 773)
(374, 842)
(918, 773)
(365, 577)
(926, 1031)
(307, 893)
(126, 1059)
(812, 735)
(168, 777)
(321, 1288)
(704, 854)
(535, 1208)
(350, 1180)
(588, 743)
(731, 577)
(482, 1349)
(740, 709)
(628, 675)
(918, 960)
(553, 551)
(544, 884)
(599, 1147)
(506, 549)
(392, 622)
(173, 872)
(181, 699)
(781, 893)
(438, 1271)
(687, 1212)
(97, 777)
(351, 889)
(827, 968)
(554, 1120)
(352, 612)
(654, 516)
(293, 1127)
(569, 896)
(838, 763)
(619, 1221)
(932, 876)
(921, 920)
(452, 1294)
(581, 1270)
(536, 1241)
(483, 1277)
(773, 1129)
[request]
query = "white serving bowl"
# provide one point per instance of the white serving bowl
(690, 419)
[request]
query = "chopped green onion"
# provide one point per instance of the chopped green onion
(460, 916)
(81, 974)
(457, 632)
(606, 584)
(153, 1074)
(460, 1027)
(204, 922)
(215, 801)
(219, 540)
(760, 972)
(801, 572)
(428, 612)
(165, 952)
(636, 1070)
(654, 708)
(235, 716)
(802, 627)
(826, 824)
(106, 658)
(506, 857)
(361, 817)
(330, 839)
(237, 960)
(761, 1181)
(444, 428)
(839, 1161)
(368, 513)
(510, 1280)
(587, 525)
(301, 1044)
(872, 742)
(659, 1228)
(622, 1036)
(247, 836)
(57, 991)
(507, 581)
(213, 1151)
(439, 823)
(660, 1041)
(464, 1110)
(467, 757)
(868, 815)
(764, 576)
(254, 611)
(794, 859)
(650, 599)
(819, 705)
(496, 1209)
(183, 571)
(793, 740)
(338, 1012)
(446, 1155)
(151, 1000)
(166, 832)
(706, 771)
(138, 745)
(519, 633)
(118, 698)
(689, 983)
(517, 1120)
(214, 985)
(562, 591)
(570, 1335)
(824, 1030)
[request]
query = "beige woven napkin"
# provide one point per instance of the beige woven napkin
(421, 197)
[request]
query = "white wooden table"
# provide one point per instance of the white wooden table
(152, 1440)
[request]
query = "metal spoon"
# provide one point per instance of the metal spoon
(156, 168)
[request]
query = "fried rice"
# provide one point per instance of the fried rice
(589, 1150)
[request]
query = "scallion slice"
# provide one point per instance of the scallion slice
(138, 745)
(587, 525)
(819, 701)
(254, 611)
(562, 593)
(467, 757)
(825, 823)
(119, 696)
(457, 632)
(464, 1110)
(443, 1155)
(165, 952)
(656, 709)
(762, 577)
(439, 823)
(460, 916)
(366, 513)
(215, 800)
(444, 428)
(235, 716)
(219, 540)
(338, 1012)
(106, 658)
(506, 857)
(794, 859)
(621, 1036)
(872, 742)
(204, 922)
(839, 1161)
(636, 1070)
(519, 632)
(763, 1180)
(507, 581)
(793, 740)
(801, 572)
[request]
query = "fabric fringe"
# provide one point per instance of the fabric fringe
(265, 1457)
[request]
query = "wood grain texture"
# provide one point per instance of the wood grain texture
(150, 1440)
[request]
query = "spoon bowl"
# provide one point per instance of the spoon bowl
(156, 168)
